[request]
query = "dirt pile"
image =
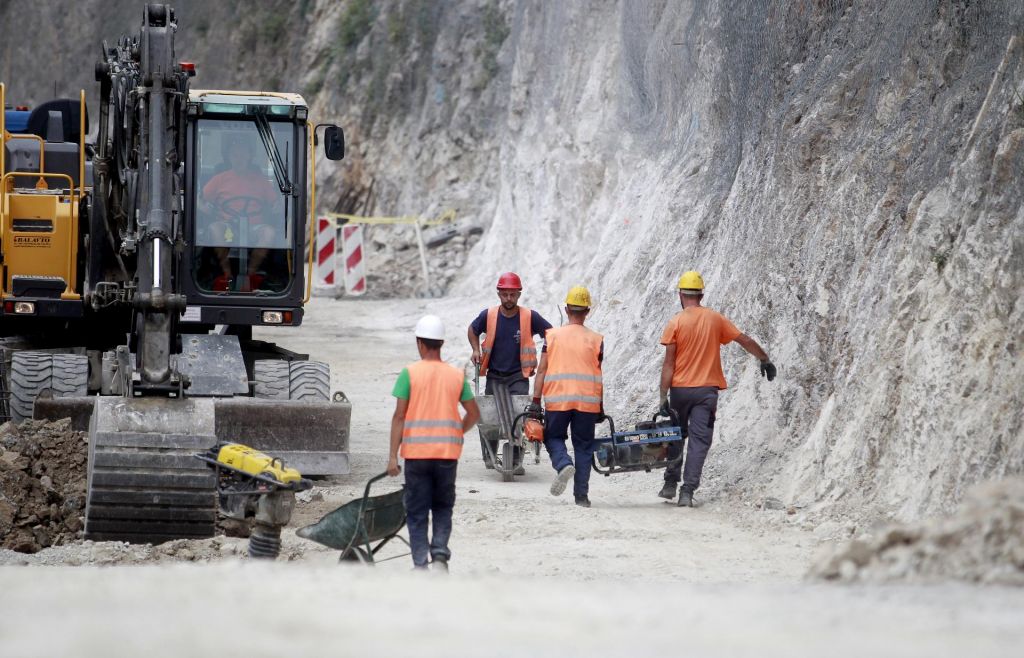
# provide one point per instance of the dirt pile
(983, 542)
(42, 484)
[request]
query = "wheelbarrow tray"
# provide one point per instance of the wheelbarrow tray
(490, 425)
(359, 522)
(497, 425)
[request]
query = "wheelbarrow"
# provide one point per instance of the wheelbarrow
(355, 525)
(501, 438)
(650, 445)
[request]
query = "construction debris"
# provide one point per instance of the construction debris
(983, 543)
(42, 484)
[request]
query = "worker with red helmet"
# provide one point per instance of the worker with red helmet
(508, 353)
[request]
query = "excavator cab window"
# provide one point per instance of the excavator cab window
(244, 221)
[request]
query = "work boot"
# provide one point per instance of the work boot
(668, 491)
(563, 477)
(439, 564)
(519, 469)
(582, 501)
(685, 497)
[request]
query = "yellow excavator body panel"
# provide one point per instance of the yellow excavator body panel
(39, 234)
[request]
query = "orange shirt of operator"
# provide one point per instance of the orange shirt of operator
(698, 334)
(247, 184)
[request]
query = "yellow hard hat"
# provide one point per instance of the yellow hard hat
(691, 283)
(578, 296)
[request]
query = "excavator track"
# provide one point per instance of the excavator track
(145, 485)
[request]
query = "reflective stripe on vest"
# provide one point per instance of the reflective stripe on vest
(573, 378)
(433, 426)
(527, 348)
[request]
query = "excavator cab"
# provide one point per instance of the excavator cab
(246, 211)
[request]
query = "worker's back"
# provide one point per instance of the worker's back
(698, 333)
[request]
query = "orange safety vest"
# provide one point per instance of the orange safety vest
(527, 348)
(433, 426)
(573, 377)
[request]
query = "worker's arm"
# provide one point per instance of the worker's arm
(474, 342)
(538, 381)
(668, 366)
(397, 426)
(751, 345)
(472, 415)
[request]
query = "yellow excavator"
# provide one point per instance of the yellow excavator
(134, 269)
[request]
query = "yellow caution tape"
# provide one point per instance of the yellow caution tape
(342, 218)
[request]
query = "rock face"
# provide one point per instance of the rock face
(845, 175)
(842, 174)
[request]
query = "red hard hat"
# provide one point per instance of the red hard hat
(509, 281)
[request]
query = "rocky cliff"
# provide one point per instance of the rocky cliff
(846, 175)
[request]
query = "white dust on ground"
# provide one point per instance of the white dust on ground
(531, 574)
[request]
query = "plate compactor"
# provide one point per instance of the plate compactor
(254, 485)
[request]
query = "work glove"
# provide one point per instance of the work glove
(535, 409)
(768, 370)
(664, 408)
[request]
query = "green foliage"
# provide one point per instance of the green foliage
(273, 27)
(940, 257)
(355, 23)
(496, 30)
(398, 34)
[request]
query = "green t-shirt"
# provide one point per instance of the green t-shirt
(401, 390)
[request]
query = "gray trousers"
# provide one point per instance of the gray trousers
(696, 409)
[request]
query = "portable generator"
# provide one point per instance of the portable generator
(647, 447)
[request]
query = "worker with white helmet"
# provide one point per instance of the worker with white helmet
(692, 373)
(569, 379)
(427, 431)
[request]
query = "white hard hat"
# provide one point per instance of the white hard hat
(430, 327)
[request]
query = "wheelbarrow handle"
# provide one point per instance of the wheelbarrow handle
(375, 478)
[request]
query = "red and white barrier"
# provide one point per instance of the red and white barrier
(352, 257)
(325, 256)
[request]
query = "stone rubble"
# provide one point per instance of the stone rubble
(42, 484)
(983, 542)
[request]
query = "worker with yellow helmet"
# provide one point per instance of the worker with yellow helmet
(569, 378)
(691, 374)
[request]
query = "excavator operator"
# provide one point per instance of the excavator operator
(242, 200)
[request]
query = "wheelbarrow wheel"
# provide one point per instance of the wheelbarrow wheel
(356, 554)
(508, 469)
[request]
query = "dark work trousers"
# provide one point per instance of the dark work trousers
(696, 409)
(556, 431)
(517, 385)
(429, 491)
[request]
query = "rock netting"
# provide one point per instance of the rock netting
(42, 484)
(983, 542)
